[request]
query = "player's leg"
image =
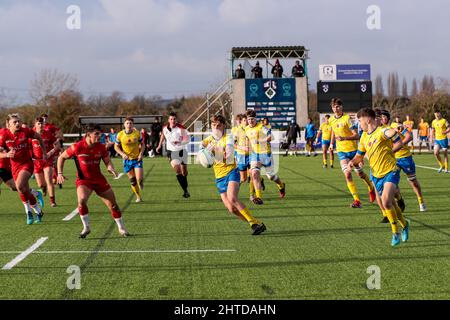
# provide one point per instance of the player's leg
(83, 194)
(232, 197)
(28, 200)
(349, 180)
(139, 172)
(360, 172)
(48, 175)
(40, 181)
(109, 199)
(255, 173)
(437, 149)
(324, 153)
(445, 151)
(180, 173)
(134, 183)
(271, 174)
(387, 199)
(184, 174)
(332, 157)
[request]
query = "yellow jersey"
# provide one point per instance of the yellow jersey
(408, 125)
(130, 143)
(325, 130)
(378, 149)
(240, 139)
(404, 151)
(440, 126)
(343, 127)
(223, 163)
(423, 129)
(394, 125)
(257, 138)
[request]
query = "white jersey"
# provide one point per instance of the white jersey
(176, 138)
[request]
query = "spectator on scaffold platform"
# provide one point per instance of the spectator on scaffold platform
(298, 70)
(257, 71)
(277, 70)
(239, 73)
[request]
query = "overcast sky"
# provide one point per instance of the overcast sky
(176, 47)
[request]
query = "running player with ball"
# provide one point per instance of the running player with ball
(221, 146)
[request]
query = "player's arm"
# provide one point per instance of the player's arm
(142, 148)
(354, 136)
(119, 150)
(55, 150)
(161, 141)
(319, 134)
(408, 137)
(184, 137)
(332, 139)
(109, 165)
(38, 137)
(6, 154)
(448, 127)
(393, 135)
(67, 154)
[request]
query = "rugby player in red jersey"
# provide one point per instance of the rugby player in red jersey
(88, 154)
(57, 133)
(43, 169)
(14, 142)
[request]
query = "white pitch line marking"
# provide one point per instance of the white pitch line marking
(126, 251)
(24, 254)
(71, 215)
(430, 168)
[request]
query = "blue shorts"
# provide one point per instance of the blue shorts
(443, 144)
(242, 161)
(423, 138)
(327, 143)
(407, 165)
(264, 158)
(393, 177)
(346, 155)
(222, 183)
(129, 165)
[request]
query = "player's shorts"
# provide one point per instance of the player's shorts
(441, 144)
(327, 143)
(5, 174)
(346, 155)
(17, 168)
(100, 185)
(423, 138)
(407, 165)
(264, 158)
(242, 161)
(40, 165)
(179, 156)
(222, 183)
(393, 177)
(129, 165)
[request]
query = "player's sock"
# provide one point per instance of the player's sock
(324, 162)
(440, 163)
(400, 217)
(392, 216)
(248, 216)
(420, 199)
(182, 180)
(252, 188)
(52, 199)
(383, 212)
(84, 216)
(26, 203)
(368, 182)
(445, 165)
(280, 185)
(258, 193)
(136, 190)
(352, 188)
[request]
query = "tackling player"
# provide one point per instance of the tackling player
(439, 131)
(130, 146)
(379, 145)
(259, 138)
(87, 154)
(177, 138)
(343, 130)
(221, 144)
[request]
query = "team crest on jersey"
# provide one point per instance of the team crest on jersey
(371, 143)
(270, 88)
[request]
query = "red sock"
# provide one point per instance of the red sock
(23, 197)
(116, 214)
(32, 199)
(83, 210)
(52, 199)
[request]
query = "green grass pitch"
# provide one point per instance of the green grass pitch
(315, 246)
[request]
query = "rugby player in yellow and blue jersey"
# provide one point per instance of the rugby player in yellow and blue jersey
(379, 145)
(345, 133)
(324, 134)
(259, 137)
(405, 159)
(130, 146)
(221, 144)
(440, 130)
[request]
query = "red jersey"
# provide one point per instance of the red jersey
(48, 138)
(18, 141)
(51, 128)
(87, 159)
(4, 162)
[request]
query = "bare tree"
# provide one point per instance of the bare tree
(414, 90)
(50, 83)
(393, 85)
(404, 88)
(379, 90)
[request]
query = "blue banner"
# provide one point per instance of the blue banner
(353, 72)
(273, 99)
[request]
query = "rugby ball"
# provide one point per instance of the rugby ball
(205, 158)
